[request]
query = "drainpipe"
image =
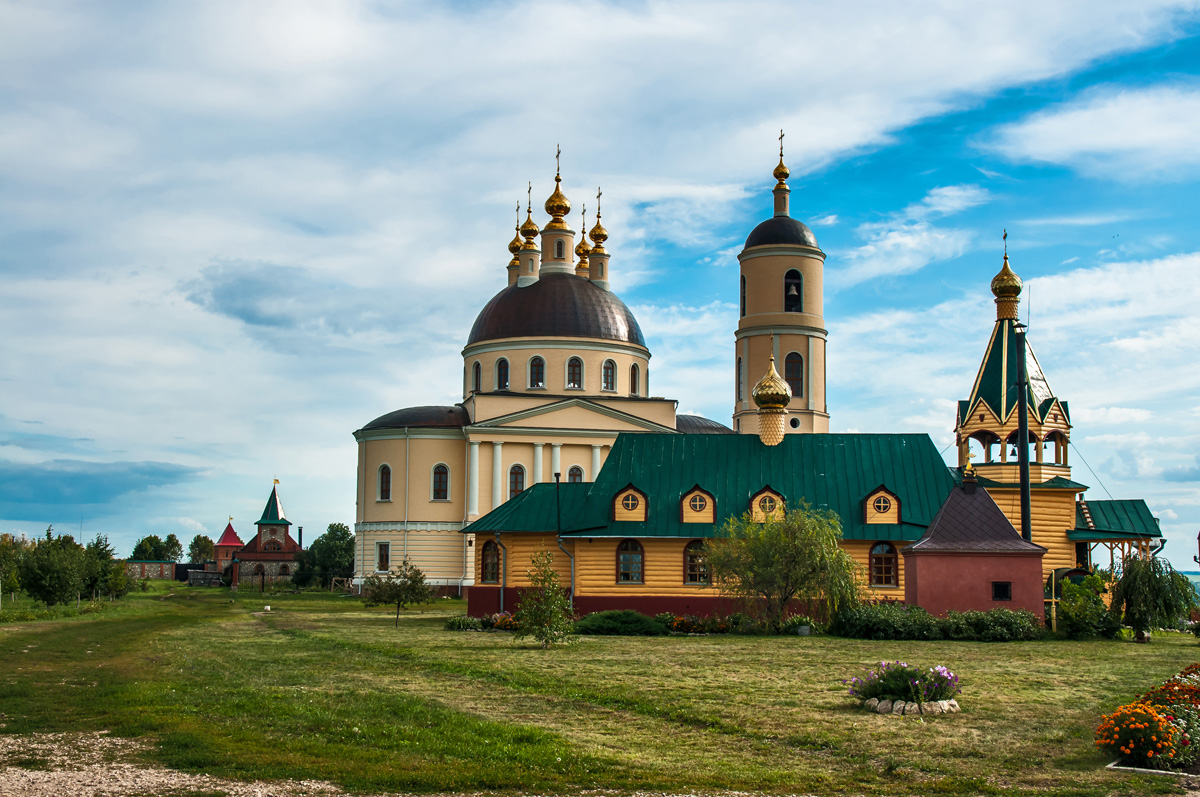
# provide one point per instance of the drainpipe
(503, 569)
(558, 508)
(407, 486)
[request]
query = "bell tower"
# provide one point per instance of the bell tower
(781, 306)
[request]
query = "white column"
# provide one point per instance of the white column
(497, 474)
(473, 480)
(595, 463)
(537, 462)
(556, 460)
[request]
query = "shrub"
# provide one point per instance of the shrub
(896, 680)
(462, 622)
(1082, 613)
(793, 623)
(545, 610)
(897, 621)
(505, 622)
(1141, 734)
(619, 622)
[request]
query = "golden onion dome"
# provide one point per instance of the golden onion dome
(582, 250)
(529, 230)
(771, 392)
(514, 245)
(598, 235)
(782, 172)
(1006, 284)
(558, 206)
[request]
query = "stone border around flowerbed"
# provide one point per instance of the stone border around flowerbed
(1117, 766)
(903, 708)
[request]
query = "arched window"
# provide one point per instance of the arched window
(385, 483)
(284, 570)
(516, 481)
(793, 373)
(441, 483)
(883, 565)
(537, 372)
(490, 571)
(575, 373)
(502, 374)
(477, 381)
(695, 563)
(610, 375)
(558, 249)
(739, 379)
(629, 562)
(634, 380)
(259, 570)
(793, 292)
(575, 475)
(272, 546)
(743, 303)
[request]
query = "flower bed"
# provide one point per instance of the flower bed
(896, 687)
(1156, 730)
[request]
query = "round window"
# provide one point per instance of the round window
(697, 503)
(630, 502)
(767, 504)
(795, 423)
(882, 504)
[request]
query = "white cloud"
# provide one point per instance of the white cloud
(1118, 133)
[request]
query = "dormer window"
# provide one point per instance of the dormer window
(881, 506)
(766, 505)
(697, 506)
(630, 505)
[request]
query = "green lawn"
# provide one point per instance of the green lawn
(322, 688)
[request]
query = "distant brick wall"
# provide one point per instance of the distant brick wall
(140, 570)
(248, 574)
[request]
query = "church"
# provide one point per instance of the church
(632, 489)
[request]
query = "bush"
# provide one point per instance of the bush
(896, 680)
(1141, 734)
(545, 610)
(464, 623)
(793, 623)
(898, 621)
(622, 622)
(505, 622)
(1082, 613)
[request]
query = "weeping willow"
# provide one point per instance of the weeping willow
(1152, 594)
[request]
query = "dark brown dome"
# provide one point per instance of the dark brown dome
(421, 417)
(781, 230)
(556, 306)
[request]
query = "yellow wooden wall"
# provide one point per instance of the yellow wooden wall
(519, 559)
(662, 568)
(1052, 514)
(860, 551)
(706, 515)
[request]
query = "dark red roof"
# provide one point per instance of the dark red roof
(969, 522)
(230, 537)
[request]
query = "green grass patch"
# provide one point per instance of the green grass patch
(322, 688)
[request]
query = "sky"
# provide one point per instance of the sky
(233, 233)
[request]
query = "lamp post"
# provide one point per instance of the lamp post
(1023, 430)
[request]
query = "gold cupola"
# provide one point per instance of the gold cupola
(1006, 287)
(529, 230)
(598, 234)
(772, 395)
(557, 205)
(514, 246)
(782, 191)
(582, 250)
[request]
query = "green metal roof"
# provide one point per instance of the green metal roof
(273, 512)
(833, 471)
(1114, 520)
(995, 384)
(535, 509)
(1056, 483)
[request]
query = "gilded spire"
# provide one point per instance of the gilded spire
(1006, 286)
(782, 172)
(582, 250)
(598, 234)
(558, 206)
(514, 245)
(772, 395)
(529, 229)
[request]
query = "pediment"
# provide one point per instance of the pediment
(573, 414)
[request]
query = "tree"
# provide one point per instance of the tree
(149, 549)
(1152, 594)
(52, 570)
(201, 549)
(12, 548)
(118, 580)
(794, 555)
(404, 585)
(96, 566)
(172, 549)
(333, 553)
(545, 611)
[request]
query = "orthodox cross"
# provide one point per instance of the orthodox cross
(558, 151)
(781, 143)
(529, 207)
(599, 193)
(1006, 242)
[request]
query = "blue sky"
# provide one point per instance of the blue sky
(231, 234)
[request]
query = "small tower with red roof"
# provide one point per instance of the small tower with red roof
(224, 548)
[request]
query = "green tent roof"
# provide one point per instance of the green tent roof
(273, 512)
(1055, 483)
(832, 471)
(1114, 520)
(995, 384)
(535, 509)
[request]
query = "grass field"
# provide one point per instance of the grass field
(322, 688)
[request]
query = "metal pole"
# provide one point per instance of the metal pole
(558, 507)
(1023, 431)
